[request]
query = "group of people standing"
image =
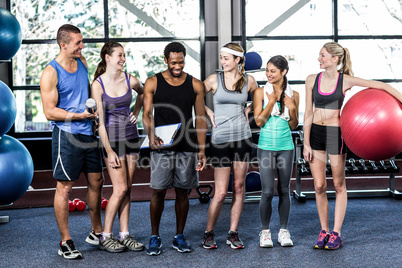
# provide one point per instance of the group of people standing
(174, 96)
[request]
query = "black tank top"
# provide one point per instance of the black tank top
(333, 100)
(174, 104)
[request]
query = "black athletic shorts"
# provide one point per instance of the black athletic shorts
(124, 147)
(73, 153)
(327, 138)
(225, 153)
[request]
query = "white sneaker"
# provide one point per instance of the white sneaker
(265, 239)
(284, 238)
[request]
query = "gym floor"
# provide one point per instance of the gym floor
(371, 236)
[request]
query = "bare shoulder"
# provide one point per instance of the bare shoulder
(310, 80)
(197, 82)
(259, 92)
(82, 58)
(211, 79)
(150, 84)
(252, 84)
(49, 76)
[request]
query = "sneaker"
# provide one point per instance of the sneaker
(234, 241)
(111, 244)
(334, 242)
(130, 243)
(209, 240)
(322, 240)
(284, 238)
(155, 244)
(265, 239)
(180, 244)
(68, 251)
(93, 238)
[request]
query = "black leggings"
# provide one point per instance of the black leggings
(269, 162)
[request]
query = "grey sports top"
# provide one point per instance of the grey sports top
(231, 123)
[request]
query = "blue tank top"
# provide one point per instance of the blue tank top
(332, 100)
(73, 89)
(231, 123)
(117, 114)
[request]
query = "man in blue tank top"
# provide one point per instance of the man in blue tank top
(64, 89)
(173, 94)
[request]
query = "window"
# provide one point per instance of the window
(297, 29)
(143, 27)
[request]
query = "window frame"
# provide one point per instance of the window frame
(106, 38)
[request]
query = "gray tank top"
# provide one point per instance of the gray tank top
(231, 123)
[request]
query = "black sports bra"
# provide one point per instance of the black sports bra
(332, 100)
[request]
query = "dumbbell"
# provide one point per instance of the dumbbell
(393, 165)
(347, 171)
(302, 163)
(71, 206)
(104, 203)
(383, 165)
(328, 167)
(79, 204)
(301, 135)
(363, 164)
(352, 163)
(375, 168)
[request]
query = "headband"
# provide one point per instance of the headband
(232, 51)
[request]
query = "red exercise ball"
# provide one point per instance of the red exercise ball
(371, 124)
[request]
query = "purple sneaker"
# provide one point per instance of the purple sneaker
(334, 242)
(322, 240)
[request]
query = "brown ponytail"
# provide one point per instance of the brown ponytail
(107, 49)
(238, 86)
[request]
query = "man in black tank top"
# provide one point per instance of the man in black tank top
(172, 94)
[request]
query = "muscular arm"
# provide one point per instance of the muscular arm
(147, 116)
(50, 97)
(200, 121)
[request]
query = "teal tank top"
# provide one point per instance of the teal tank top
(275, 135)
(73, 89)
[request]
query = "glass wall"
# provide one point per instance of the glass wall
(297, 29)
(143, 27)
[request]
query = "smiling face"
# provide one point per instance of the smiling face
(175, 63)
(274, 74)
(326, 60)
(75, 46)
(228, 61)
(117, 58)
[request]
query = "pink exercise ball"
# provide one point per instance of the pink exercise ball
(371, 124)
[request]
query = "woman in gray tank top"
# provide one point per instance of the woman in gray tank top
(231, 138)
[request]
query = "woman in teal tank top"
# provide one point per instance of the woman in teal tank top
(276, 112)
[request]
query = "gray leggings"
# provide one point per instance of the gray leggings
(269, 162)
